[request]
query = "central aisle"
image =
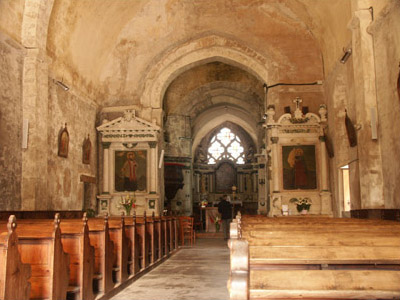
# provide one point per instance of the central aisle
(194, 273)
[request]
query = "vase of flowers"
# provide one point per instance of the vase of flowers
(217, 223)
(127, 203)
(302, 204)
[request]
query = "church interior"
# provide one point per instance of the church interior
(161, 107)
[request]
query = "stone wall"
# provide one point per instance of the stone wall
(339, 95)
(11, 64)
(178, 132)
(387, 60)
(65, 189)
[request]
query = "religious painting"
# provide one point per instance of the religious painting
(63, 142)
(225, 178)
(86, 149)
(299, 167)
(131, 171)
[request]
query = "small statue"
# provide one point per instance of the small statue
(250, 155)
(201, 157)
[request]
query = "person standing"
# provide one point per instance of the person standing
(225, 209)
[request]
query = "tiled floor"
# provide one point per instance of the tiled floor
(194, 273)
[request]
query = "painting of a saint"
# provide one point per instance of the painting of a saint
(63, 142)
(299, 167)
(130, 170)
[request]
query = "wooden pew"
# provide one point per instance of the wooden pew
(142, 242)
(292, 259)
(104, 255)
(150, 224)
(97, 245)
(76, 242)
(41, 247)
(133, 254)
(157, 238)
(121, 248)
(14, 275)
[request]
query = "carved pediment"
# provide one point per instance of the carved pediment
(128, 128)
(308, 119)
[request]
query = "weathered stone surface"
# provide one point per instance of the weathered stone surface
(10, 123)
(65, 190)
(387, 61)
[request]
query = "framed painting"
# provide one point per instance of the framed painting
(86, 150)
(299, 167)
(63, 142)
(131, 171)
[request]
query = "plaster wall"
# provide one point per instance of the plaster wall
(11, 65)
(11, 15)
(387, 60)
(65, 189)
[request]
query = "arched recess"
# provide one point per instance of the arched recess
(200, 51)
(208, 120)
(213, 93)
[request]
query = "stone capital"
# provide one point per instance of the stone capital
(274, 140)
(106, 145)
(152, 144)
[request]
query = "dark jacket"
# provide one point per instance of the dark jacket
(225, 209)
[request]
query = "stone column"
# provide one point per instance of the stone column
(275, 164)
(369, 152)
(106, 168)
(324, 165)
(153, 167)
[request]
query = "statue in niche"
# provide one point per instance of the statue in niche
(201, 157)
(250, 155)
(63, 142)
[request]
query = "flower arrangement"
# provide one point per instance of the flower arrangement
(217, 222)
(302, 203)
(128, 202)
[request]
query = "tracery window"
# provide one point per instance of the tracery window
(225, 145)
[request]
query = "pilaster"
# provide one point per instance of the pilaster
(369, 151)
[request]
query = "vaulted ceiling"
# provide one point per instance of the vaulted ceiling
(109, 45)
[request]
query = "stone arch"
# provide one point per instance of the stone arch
(200, 51)
(204, 96)
(35, 23)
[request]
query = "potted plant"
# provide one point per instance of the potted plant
(302, 204)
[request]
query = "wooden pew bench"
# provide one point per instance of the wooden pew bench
(300, 259)
(41, 247)
(99, 237)
(76, 242)
(120, 246)
(14, 275)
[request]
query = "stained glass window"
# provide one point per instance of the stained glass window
(225, 145)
